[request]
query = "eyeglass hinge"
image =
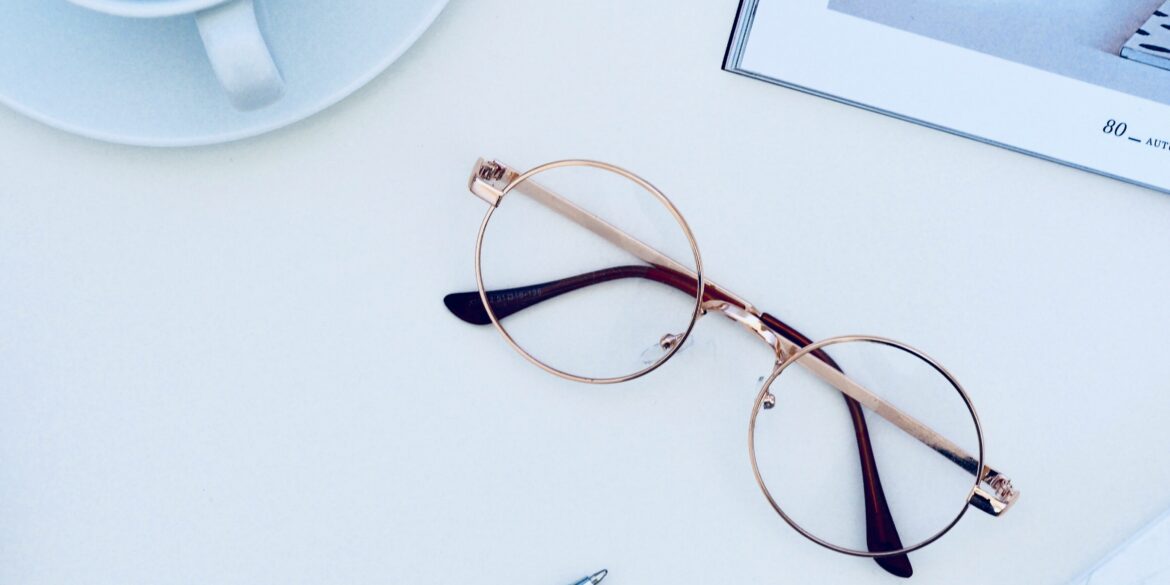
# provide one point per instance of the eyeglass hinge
(488, 180)
(999, 496)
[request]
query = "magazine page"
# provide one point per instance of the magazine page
(1085, 84)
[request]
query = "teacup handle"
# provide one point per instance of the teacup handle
(239, 55)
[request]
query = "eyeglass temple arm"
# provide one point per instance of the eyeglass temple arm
(505, 302)
(880, 528)
(881, 531)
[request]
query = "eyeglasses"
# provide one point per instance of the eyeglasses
(575, 226)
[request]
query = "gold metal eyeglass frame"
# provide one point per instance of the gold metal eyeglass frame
(492, 181)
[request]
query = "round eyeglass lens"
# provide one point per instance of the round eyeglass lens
(812, 456)
(589, 271)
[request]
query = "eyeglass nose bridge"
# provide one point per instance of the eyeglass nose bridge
(749, 317)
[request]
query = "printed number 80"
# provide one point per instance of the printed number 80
(1115, 128)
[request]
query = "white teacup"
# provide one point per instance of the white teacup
(237, 51)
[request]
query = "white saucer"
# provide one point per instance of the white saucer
(148, 82)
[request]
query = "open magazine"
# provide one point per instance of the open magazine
(1084, 83)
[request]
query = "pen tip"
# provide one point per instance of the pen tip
(598, 576)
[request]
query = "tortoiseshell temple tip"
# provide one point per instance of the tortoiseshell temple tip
(881, 533)
(468, 307)
(898, 566)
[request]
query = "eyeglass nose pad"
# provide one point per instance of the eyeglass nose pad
(665, 343)
(668, 341)
(769, 398)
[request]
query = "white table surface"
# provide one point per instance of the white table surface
(232, 364)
